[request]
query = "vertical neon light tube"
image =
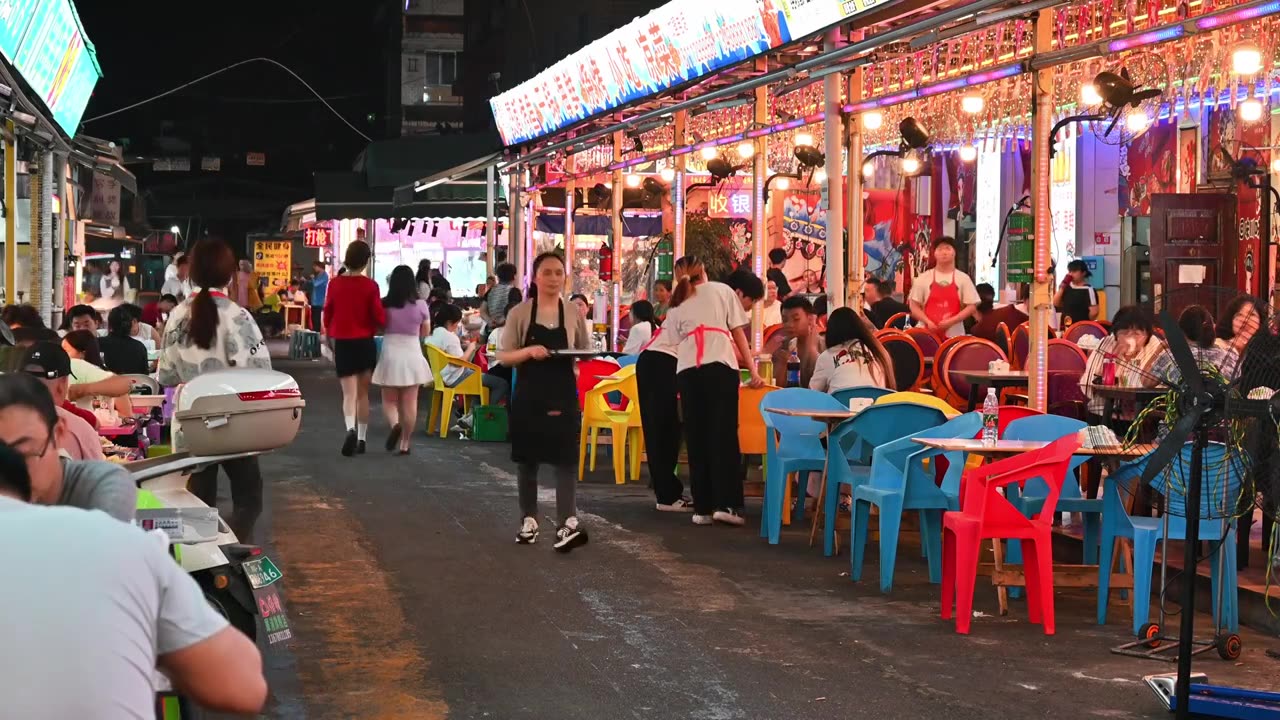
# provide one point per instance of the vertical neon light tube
(1041, 126)
(759, 204)
(853, 201)
(570, 232)
(835, 181)
(616, 195)
(677, 187)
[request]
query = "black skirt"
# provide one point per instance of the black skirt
(352, 357)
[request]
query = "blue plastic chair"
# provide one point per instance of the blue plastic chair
(899, 482)
(625, 360)
(851, 445)
(869, 392)
(1048, 428)
(794, 445)
(1220, 494)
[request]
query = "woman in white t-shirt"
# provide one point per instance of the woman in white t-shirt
(853, 358)
(943, 297)
(710, 326)
(642, 327)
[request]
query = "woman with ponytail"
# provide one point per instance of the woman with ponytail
(659, 408)
(353, 313)
(205, 333)
(709, 319)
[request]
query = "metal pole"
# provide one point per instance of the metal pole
(1186, 633)
(515, 225)
(44, 289)
(1041, 127)
(853, 202)
(10, 290)
(679, 121)
(490, 221)
(615, 225)
(570, 232)
(759, 203)
(835, 169)
(60, 241)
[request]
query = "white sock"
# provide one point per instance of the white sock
(351, 422)
(362, 430)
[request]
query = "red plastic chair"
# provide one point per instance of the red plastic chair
(1019, 347)
(985, 514)
(1077, 330)
(589, 374)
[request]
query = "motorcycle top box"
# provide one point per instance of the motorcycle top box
(237, 411)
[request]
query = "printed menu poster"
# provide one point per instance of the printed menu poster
(272, 259)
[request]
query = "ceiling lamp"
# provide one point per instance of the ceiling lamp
(784, 183)
(872, 120)
(633, 180)
(1089, 95)
(709, 153)
(746, 150)
(1275, 165)
(910, 165)
(803, 139)
(968, 153)
(1246, 59)
(819, 176)
(868, 170)
(1136, 122)
(972, 104)
(1250, 110)
(667, 174)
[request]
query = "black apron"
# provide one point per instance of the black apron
(544, 387)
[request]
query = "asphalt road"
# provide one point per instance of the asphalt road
(410, 599)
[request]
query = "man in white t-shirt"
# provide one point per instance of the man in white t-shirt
(943, 297)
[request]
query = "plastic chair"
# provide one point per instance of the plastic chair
(851, 444)
(916, 398)
(1221, 492)
(589, 374)
(1019, 347)
(793, 445)
(1077, 330)
(753, 433)
(768, 334)
(442, 396)
(623, 425)
(985, 514)
(1065, 357)
(869, 392)
(899, 482)
(897, 321)
(944, 350)
(1002, 339)
(925, 340)
(908, 361)
(976, 354)
(139, 383)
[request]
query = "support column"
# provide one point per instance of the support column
(490, 221)
(615, 232)
(834, 169)
(677, 185)
(759, 204)
(44, 221)
(1041, 297)
(853, 199)
(38, 175)
(10, 290)
(570, 232)
(60, 239)
(515, 225)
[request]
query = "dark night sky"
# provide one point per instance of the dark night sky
(149, 46)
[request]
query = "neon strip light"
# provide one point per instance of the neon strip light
(1147, 38)
(1229, 17)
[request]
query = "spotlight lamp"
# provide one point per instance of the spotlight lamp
(803, 139)
(709, 153)
(1246, 59)
(968, 153)
(914, 136)
(667, 174)
(873, 120)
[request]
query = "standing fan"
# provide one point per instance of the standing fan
(1129, 101)
(1236, 408)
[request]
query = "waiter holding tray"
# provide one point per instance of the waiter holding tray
(539, 341)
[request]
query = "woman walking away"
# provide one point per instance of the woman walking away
(660, 410)
(545, 419)
(853, 358)
(709, 318)
(423, 279)
(353, 313)
(208, 332)
(402, 368)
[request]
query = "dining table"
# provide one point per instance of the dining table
(1116, 395)
(981, 379)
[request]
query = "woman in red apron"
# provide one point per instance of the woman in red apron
(943, 297)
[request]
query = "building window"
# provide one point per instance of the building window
(441, 68)
(413, 64)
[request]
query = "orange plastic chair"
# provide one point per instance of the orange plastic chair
(985, 514)
(1079, 329)
(623, 425)
(753, 438)
(975, 354)
(897, 321)
(908, 361)
(442, 396)
(925, 340)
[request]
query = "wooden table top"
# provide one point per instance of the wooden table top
(986, 375)
(1014, 447)
(1127, 391)
(830, 415)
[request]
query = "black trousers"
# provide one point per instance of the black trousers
(246, 493)
(660, 421)
(316, 312)
(709, 399)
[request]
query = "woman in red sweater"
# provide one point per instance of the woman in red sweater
(353, 314)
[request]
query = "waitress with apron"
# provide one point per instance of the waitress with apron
(545, 417)
(943, 297)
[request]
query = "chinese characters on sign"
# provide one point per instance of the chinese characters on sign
(317, 237)
(272, 259)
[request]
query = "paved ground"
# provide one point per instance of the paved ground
(410, 599)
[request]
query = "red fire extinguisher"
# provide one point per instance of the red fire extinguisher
(606, 263)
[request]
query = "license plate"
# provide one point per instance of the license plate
(261, 572)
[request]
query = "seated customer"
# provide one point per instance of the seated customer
(82, 317)
(1196, 323)
(156, 313)
(1133, 347)
(77, 436)
(445, 337)
(880, 302)
(88, 378)
(853, 358)
(1011, 315)
(799, 335)
(121, 353)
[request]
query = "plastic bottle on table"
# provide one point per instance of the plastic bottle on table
(793, 370)
(990, 418)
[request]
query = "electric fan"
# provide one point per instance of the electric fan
(1129, 101)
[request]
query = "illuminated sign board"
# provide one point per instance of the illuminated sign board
(674, 44)
(317, 237)
(15, 18)
(44, 41)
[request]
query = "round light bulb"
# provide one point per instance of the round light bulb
(1250, 110)
(633, 180)
(872, 120)
(1246, 60)
(174, 229)
(1275, 165)
(709, 153)
(586, 262)
(1089, 95)
(640, 261)
(910, 165)
(784, 183)
(667, 174)
(804, 139)
(972, 104)
(968, 153)
(1137, 121)
(746, 150)
(868, 170)
(819, 176)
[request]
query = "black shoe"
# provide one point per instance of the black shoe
(393, 438)
(349, 444)
(569, 536)
(360, 448)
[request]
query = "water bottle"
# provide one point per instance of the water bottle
(990, 418)
(793, 370)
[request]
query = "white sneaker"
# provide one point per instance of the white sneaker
(683, 505)
(728, 517)
(702, 519)
(528, 534)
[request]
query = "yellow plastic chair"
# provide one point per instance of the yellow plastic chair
(753, 438)
(442, 396)
(624, 425)
(916, 398)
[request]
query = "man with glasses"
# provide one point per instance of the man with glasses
(28, 424)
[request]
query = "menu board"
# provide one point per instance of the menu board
(44, 41)
(272, 259)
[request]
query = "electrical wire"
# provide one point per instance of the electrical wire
(233, 66)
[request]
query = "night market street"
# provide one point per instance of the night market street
(410, 599)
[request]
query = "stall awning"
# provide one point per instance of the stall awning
(393, 163)
(644, 226)
(104, 157)
(298, 215)
(341, 195)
